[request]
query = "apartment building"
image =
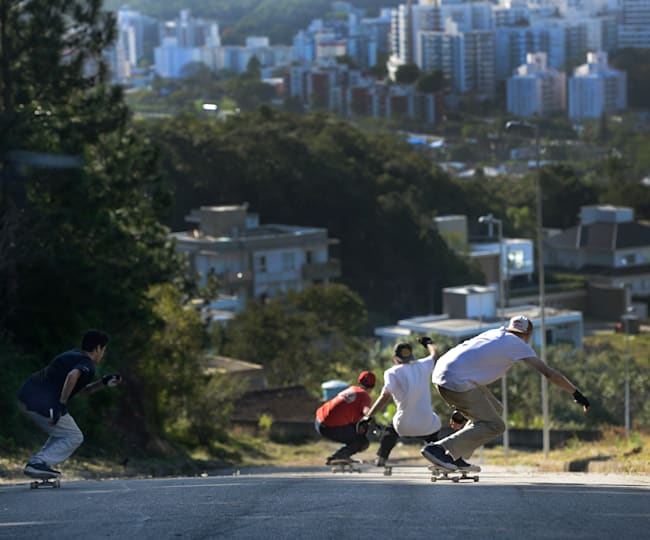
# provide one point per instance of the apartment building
(253, 260)
(634, 27)
(596, 89)
(536, 89)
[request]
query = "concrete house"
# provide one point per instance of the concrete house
(255, 261)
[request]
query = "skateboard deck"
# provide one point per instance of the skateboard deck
(44, 480)
(345, 465)
(455, 475)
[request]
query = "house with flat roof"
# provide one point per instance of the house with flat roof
(253, 260)
(472, 309)
(609, 248)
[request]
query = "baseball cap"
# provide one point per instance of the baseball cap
(404, 352)
(520, 324)
(367, 379)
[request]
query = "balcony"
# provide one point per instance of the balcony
(321, 271)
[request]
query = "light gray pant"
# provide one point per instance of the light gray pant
(64, 438)
(484, 412)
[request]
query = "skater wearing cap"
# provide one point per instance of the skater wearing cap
(337, 418)
(407, 384)
(461, 376)
(44, 397)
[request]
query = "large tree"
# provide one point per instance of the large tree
(82, 199)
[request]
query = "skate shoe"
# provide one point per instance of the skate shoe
(40, 469)
(437, 455)
(462, 465)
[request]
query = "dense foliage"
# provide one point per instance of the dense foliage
(88, 197)
(82, 242)
(372, 192)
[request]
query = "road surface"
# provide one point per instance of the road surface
(316, 504)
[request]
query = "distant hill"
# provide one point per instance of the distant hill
(277, 19)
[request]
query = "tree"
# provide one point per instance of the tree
(430, 83)
(407, 74)
(87, 242)
(301, 338)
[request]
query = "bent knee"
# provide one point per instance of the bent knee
(498, 426)
(77, 439)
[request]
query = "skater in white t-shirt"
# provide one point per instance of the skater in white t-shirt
(407, 383)
(461, 376)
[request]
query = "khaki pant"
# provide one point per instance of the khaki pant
(485, 423)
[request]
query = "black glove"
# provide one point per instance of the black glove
(111, 379)
(579, 398)
(57, 412)
(424, 341)
(458, 417)
(363, 425)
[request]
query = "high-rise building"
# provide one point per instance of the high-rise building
(596, 89)
(536, 89)
(466, 59)
(634, 28)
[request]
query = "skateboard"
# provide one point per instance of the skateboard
(455, 475)
(345, 465)
(44, 480)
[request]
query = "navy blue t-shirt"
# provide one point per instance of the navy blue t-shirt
(42, 390)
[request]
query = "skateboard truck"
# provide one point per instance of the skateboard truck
(455, 475)
(345, 465)
(44, 481)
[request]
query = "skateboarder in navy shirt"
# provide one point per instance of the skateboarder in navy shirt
(44, 397)
(337, 418)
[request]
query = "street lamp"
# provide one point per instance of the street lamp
(628, 314)
(514, 125)
(491, 220)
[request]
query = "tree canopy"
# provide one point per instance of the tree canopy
(372, 192)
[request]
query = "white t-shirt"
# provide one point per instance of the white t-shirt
(480, 361)
(411, 391)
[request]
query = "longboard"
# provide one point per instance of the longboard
(345, 465)
(44, 480)
(455, 475)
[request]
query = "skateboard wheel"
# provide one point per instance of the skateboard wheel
(33, 485)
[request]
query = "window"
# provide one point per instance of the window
(288, 261)
(260, 263)
(516, 260)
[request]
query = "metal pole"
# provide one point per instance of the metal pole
(542, 294)
(504, 380)
(491, 220)
(627, 376)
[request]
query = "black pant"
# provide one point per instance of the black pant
(353, 441)
(389, 439)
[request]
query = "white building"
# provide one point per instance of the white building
(170, 59)
(254, 261)
(514, 43)
(467, 59)
(596, 89)
(472, 309)
(634, 27)
(536, 89)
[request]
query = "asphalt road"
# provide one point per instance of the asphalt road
(316, 504)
